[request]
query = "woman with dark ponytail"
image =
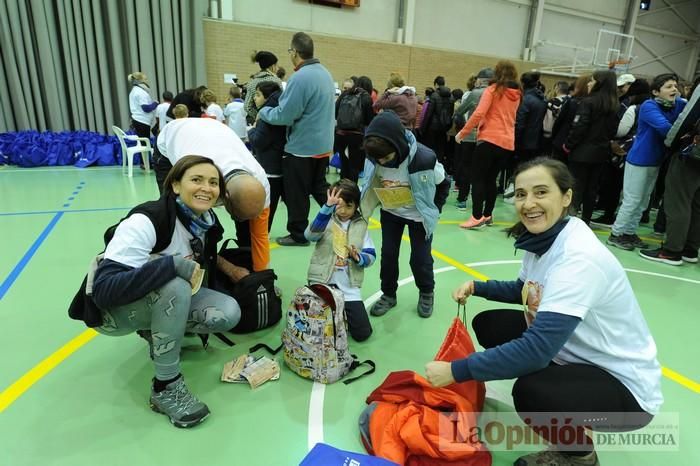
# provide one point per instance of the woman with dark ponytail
(267, 61)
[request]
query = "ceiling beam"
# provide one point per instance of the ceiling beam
(665, 55)
(642, 27)
(680, 16)
(658, 57)
(662, 9)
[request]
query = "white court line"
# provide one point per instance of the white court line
(654, 274)
(318, 390)
(315, 433)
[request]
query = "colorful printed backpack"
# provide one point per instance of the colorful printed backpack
(315, 339)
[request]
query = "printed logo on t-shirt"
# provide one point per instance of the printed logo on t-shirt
(532, 296)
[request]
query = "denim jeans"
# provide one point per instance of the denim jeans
(637, 187)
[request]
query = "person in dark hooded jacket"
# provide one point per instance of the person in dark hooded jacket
(528, 120)
(438, 119)
(267, 142)
(588, 143)
(349, 129)
(405, 177)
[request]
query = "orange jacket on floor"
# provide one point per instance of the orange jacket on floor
(414, 424)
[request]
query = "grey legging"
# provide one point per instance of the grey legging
(168, 313)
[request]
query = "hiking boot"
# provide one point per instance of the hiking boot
(146, 335)
(603, 222)
(488, 220)
(637, 242)
(289, 241)
(555, 458)
(661, 255)
(382, 305)
(461, 205)
(473, 223)
(620, 241)
(425, 304)
(690, 256)
(179, 404)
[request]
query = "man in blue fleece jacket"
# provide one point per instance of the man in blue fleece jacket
(307, 109)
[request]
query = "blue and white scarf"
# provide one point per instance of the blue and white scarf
(198, 225)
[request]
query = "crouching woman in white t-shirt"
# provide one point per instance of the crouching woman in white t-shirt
(149, 280)
(582, 345)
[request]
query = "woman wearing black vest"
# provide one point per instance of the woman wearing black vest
(149, 280)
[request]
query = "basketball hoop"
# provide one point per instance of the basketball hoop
(620, 66)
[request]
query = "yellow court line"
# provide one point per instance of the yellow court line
(14, 391)
(669, 373)
(17, 389)
(681, 379)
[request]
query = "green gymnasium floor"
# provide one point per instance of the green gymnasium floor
(67, 398)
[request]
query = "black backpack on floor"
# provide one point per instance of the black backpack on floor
(261, 306)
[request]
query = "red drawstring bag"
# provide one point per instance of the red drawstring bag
(458, 345)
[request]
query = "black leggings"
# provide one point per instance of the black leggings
(587, 176)
(566, 389)
(486, 163)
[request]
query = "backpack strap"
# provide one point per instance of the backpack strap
(270, 350)
(205, 339)
(355, 364)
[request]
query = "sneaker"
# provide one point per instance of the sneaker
(382, 306)
(425, 304)
(658, 234)
(509, 191)
(690, 256)
(179, 404)
(637, 242)
(555, 458)
(645, 218)
(461, 205)
(473, 223)
(602, 222)
(620, 241)
(488, 220)
(289, 241)
(660, 255)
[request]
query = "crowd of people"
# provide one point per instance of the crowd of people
(605, 142)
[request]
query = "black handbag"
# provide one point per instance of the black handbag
(261, 306)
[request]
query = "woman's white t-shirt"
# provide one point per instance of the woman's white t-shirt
(580, 277)
(135, 237)
(137, 98)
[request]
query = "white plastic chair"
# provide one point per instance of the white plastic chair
(143, 146)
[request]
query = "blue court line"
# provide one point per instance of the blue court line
(43, 212)
(5, 286)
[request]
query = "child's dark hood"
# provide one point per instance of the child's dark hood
(273, 100)
(388, 126)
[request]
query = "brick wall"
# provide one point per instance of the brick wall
(228, 47)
